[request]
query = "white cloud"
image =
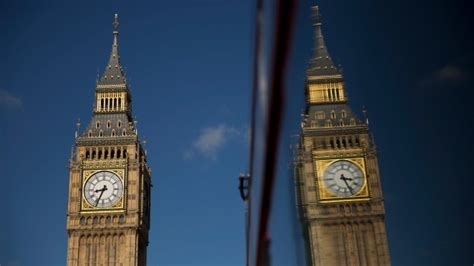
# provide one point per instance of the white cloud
(9, 101)
(211, 140)
(449, 74)
(188, 154)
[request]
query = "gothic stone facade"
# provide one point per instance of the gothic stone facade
(337, 176)
(108, 215)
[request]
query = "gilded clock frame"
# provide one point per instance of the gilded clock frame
(325, 196)
(117, 207)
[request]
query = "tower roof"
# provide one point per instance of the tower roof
(113, 73)
(320, 63)
(112, 117)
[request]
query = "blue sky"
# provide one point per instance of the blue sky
(189, 64)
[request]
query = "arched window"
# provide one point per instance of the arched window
(113, 132)
(343, 114)
(97, 124)
(118, 153)
(93, 154)
(106, 154)
(341, 123)
(333, 114)
(82, 220)
(108, 124)
(102, 103)
(87, 154)
(367, 207)
(124, 153)
(124, 132)
(320, 115)
(119, 123)
(95, 220)
(90, 133)
(106, 102)
(121, 219)
(115, 102)
(112, 153)
(120, 103)
(347, 208)
(100, 155)
(354, 208)
(101, 133)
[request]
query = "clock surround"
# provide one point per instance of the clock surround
(103, 189)
(117, 206)
(326, 195)
(343, 178)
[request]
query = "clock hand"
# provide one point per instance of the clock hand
(347, 184)
(102, 189)
(101, 192)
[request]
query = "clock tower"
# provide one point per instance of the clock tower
(108, 214)
(337, 176)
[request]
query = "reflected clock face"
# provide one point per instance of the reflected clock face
(343, 178)
(103, 189)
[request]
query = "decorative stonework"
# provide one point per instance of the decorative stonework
(104, 164)
(114, 230)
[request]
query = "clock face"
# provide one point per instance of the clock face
(343, 178)
(103, 189)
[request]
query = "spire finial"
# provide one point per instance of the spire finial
(316, 16)
(366, 116)
(78, 126)
(317, 24)
(115, 24)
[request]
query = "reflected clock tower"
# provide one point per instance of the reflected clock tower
(338, 181)
(108, 214)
